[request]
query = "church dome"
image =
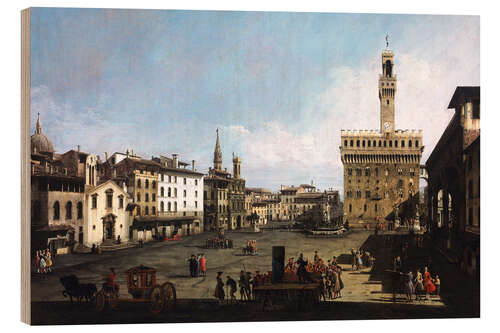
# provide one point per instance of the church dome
(39, 141)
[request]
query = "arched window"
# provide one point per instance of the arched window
(147, 197)
(138, 183)
(68, 210)
(162, 192)
(153, 184)
(403, 143)
(396, 143)
(409, 143)
(345, 143)
(352, 143)
(380, 143)
(350, 208)
(138, 210)
(146, 210)
(416, 143)
(162, 206)
(364, 143)
(169, 205)
(357, 143)
(153, 210)
(79, 210)
(138, 197)
(364, 207)
(175, 206)
(388, 68)
(56, 210)
(146, 185)
(169, 192)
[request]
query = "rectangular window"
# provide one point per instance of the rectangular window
(169, 179)
(121, 202)
(175, 192)
(94, 201)
(185, 192)
(109, 200)
(367, 194)
(196, 194)
(349, 172)
(196, 182)
(196, 204)
(185, 181)
(184, 204)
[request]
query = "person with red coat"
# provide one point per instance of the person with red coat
(429, 286)
(203, 265)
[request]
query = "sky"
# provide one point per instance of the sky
(279, 86)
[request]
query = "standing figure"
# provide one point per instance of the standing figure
(335, 283)
(203, 265)
(429, 286)
(219, 288)
(243, 289)
(301, 271)
(37, 262)
(353, 262)
(437, 283)
(232, 287)
(193, 263)
(48, 260)
(409, 288)
(419, 284)
(341, 283)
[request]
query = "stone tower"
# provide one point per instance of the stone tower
(387, 92)
(236, 166)
(217, 154)
(381, 167)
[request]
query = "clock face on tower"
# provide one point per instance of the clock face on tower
(387, 126)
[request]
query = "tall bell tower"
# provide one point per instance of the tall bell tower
(387, 90)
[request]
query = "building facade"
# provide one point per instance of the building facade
(453, 170)
(107, 219)
(224, 195)
(381, 167)
(180, 190)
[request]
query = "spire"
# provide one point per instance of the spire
(38, 125)
(217, 154)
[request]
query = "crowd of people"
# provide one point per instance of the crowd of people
(361, 259)
(420, 284)
(43, 261)
(197, 265)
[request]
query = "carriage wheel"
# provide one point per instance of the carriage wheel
(100, 300)
(170, 294)
(157, 300)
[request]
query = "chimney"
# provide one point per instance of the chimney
(127, 153)
(106, 155)
(192, 165)
(78, 148)
(176, 160)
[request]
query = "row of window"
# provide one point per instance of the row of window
(358, 194)
(174, 178)
(174, 206)
(359, 172)
(146, 183)
(146, 197)
(69, 210)
(146, 210)
(365, 208)
(222, 195)
(169, 192)
(109, 200)
(373, 143)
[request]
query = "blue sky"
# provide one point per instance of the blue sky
(279, 86)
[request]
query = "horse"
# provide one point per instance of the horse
(73, 288)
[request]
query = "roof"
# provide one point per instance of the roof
(257, 189)
(307, 186)
(464, 93)
(182, 170)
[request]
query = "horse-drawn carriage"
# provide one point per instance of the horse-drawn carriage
(143, 286)
(251, 248)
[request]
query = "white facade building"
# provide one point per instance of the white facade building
(180, 192)
(106, 218)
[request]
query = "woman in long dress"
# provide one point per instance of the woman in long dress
(336, 284)
(48, 260)
(409, 288)
(219, 288)
(429, 286)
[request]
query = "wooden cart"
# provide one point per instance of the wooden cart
(143, 286)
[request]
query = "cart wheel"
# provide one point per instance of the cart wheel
(157, 300)
(100, 300)
(170, 294)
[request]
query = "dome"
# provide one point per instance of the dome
(39, 141)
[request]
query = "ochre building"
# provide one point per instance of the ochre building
(381, 167)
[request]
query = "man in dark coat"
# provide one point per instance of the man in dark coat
(301, 271)
(232, 287)
(193, 265)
